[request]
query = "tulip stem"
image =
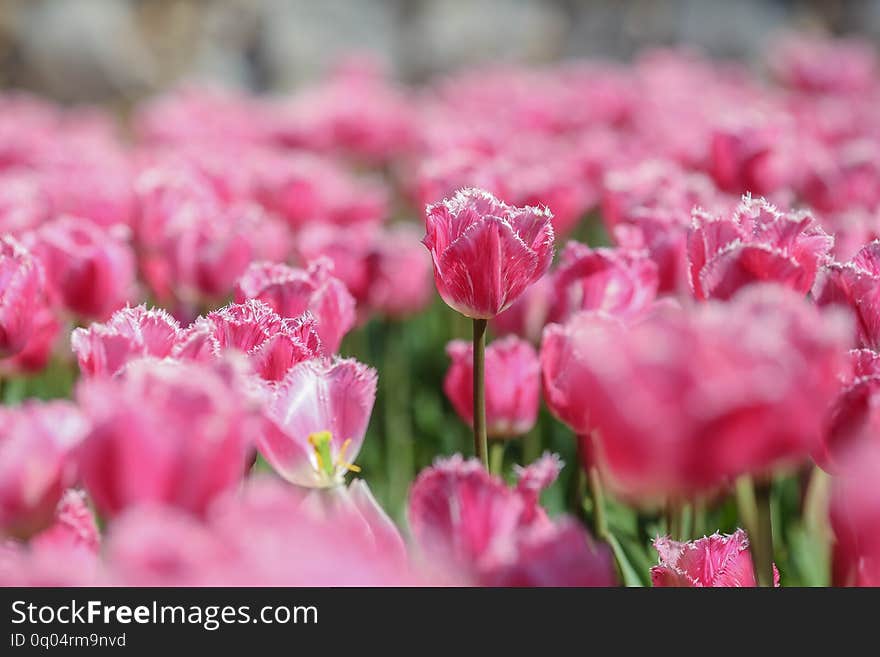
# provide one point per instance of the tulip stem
(600, 522)
(531, 445)
(481, 448)
(496, 457)
(746, 506)
(763, 546)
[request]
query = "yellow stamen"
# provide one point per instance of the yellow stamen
(340, 458)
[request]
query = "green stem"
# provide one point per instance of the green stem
(399, 444)
(480, 440)
(763, 544)
(496, 457)
(531, 445)
(700, 518)
(673, 515)
(600, 522)
(685, 524)
(745, 505)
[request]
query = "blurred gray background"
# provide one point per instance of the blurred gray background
(121, 50)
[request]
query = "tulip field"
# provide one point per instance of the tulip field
(588, 324)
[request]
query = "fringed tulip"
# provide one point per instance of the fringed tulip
(37, 445)
(73, 527)
(319, 416)
(89, 269)
(485, 252)
(130, 333)
(290, 292)
(687, 400)
(67, 553)
(648, 208)
(472, 523)
(21, 295)
(758, 243)
(167, 432)
(513, 385)
(712, 561)
(273, 345)
(854, 418)
(613, 281)
(855, 285)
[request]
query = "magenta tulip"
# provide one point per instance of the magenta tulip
(486, 253)
(513, 385)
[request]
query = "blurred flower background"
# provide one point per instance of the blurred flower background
(259, 171)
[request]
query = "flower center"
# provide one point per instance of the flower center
(325, 464)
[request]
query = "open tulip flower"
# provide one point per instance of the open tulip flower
(317, 421)
(712, 561)
(756, 243)
(130, 333)
(272, 345)
(291, 292)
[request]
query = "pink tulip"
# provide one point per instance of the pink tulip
(855, 520)
(291, 292)
(399, 272)
(513, 385)
(130, 333)
(470, 522)
(151, 545)
(165, 432)
(527, 315)
(854, 417)
(613, 281)
(855, 285)
(305, 189)
(285, 535)
(347, 248)
(39, 347)
(21, 292)
(648, 208)
(354, 507)
(757, 243)
(37, 441)
(73, 528)
(273, 345)
(193, 242)
(687, 400)
(486, 253)
(89, 269)
(319, 416)
(717, 561)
